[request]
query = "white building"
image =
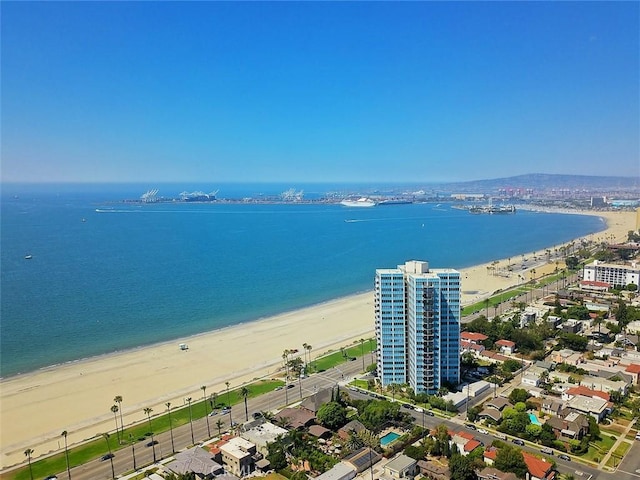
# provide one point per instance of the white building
(611, 273)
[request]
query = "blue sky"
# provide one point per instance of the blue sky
(353, 92)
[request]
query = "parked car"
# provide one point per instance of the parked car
(257, 415)
(106, 457)
(501, 436)
(470, 425)
(429, 412)
(517, 441)
(564, 457)
(151, 443)
(547, 451)
(280, 387)
(291, 385)
(225, 410)
(51, 477)
(408, 406)
(483, 431)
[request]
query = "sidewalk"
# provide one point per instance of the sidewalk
(620, 439)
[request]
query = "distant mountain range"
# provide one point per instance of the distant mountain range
(543, 181)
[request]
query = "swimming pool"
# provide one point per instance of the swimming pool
(388, 438)
(534, 419)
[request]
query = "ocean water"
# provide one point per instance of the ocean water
(132, 275)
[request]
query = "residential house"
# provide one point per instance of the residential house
(295, 417)
(499, 403)
(315, 401)
(262, 434)
(464, 442)
(471, 347)
(507, 347)
(568, 356)
(551, 406)
(538, 469)
(489, 455)
(195, 460)
(433, 471)
(340, 471)
(598, 383)
(238, 456)
(530, 380)
(401, 467)
(587, 392)
(490, 413)
(362, 459)
(489, 473)
(573, 426)
(473, 337)
(353, 426)
(634, 371)
(594, 406)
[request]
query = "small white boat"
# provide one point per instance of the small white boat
(361, 202)
(28, 257)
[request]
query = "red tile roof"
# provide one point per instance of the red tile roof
(467, 435)
(505, 343)
(538, 467)
(587, 392)
(633, 368)
(471, 445)
(491, 453)
(473, 336)
(471, 346)
(593, 283)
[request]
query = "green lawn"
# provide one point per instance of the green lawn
(599, 448)
(179, 416)
(341, 356)
(618, 454)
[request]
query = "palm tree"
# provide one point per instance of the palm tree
(173, 448)
(362, 353)
(66, 452)
(229, 403)
(133, 450)
(219, 424)
(206, 410)
(28, 452)
(244, 391)
(213, 398)
(106, 439)
(114, 409)
(193, 440)
(308, 349)
(148, 411)
(304, 347)
(118, 400)
(285, 357)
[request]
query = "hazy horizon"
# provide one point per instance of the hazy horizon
(318, 92)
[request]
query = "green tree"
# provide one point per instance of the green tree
(147, 411)
(332, 415)
(66, 453)
(510, 459)
(114, 410)
(219, 425)
(118, 400)
(168, 405)
(518, 395)
(28, 452)
(461, 468)
(244, 392)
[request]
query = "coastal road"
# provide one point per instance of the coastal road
(123, 462)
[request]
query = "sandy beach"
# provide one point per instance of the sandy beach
(35, 408)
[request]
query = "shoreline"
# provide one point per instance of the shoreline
(81, 391)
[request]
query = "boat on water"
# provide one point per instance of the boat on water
(361, 202)
(28, 257)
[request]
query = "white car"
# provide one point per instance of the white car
(483, 431)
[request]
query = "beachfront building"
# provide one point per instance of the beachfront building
(612, 274)
(417, 315)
